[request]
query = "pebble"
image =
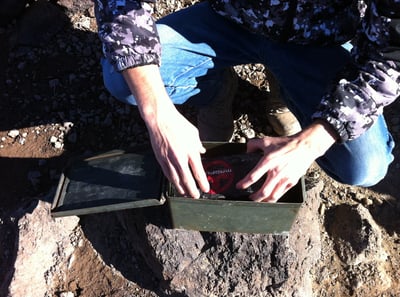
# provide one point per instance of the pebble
(13, 133)
(378, 201)
(249, 133)
(314, 175)
(58, 145)
(57, 142)
(242, 139)
(366, 201)
(322, 209)
(22, 140)
(53, 139)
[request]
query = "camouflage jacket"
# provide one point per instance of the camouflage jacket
(129, 37)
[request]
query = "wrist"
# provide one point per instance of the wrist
(319, 136)
(148, 89)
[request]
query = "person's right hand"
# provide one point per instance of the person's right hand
(175, 141)
(177, 147)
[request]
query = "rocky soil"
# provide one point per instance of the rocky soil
(53, 106)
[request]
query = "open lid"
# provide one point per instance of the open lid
(108, 182)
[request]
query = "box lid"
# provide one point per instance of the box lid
(108, 182)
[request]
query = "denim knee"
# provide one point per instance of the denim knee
(358, 167)
(363, 161)
(367, 174)
(115, 83)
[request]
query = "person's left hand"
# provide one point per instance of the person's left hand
(285, 160)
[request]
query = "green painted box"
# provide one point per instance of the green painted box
(120, 180)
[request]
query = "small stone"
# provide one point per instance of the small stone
(379, 201)
(22, 140)
(13, 133)
(242, 140)
(53, 139)
(366, 201)
(58, 145)
(249, 133)
(68, 125)
(322, 209)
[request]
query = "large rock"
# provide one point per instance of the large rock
(41, 246)
(199, 264)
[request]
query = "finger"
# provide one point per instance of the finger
(254, 144)
(202, 149)
(278, 192)
(199, 173)
(189, 184)
(272, 180)
(195, 173)
(254, 175)
(173, 177)
(272, 190)
(264, 192)
(186, 180)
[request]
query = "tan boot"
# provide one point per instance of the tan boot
(281, 119)
(215, 121)
(283, 122)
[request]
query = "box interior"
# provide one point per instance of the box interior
(110, 181)
(214, 150)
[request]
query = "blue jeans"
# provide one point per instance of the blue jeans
(197, 44)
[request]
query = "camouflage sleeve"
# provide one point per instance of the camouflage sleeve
(128, 33)
(373, 80)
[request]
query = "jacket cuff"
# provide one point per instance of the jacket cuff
(122, 63)
(337, 125)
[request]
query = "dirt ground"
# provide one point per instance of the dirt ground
(53, 106)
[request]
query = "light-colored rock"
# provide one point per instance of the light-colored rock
(13, 133)
(231, 264)
(43, 245)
